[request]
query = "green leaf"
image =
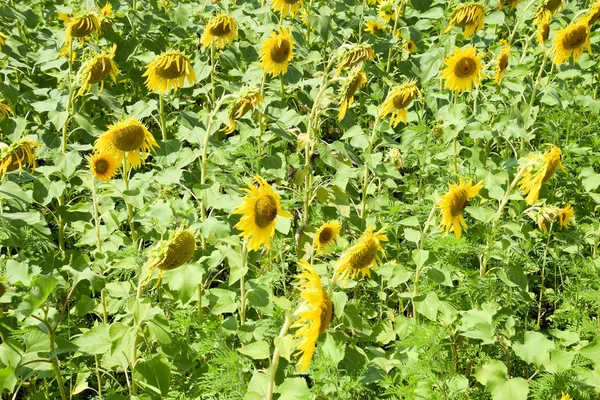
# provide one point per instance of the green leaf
(332, 349)
(257, 350)
(513, 389)
(535, 349)
(184, 281)
(42, 287)
(257, 388)
(294, 389)
(592, 350)
(154, 375)
(94, 341)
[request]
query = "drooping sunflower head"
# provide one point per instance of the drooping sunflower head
(172, 253)
(361, 258)
(104, 166)
(259, 214)
(572, 40)
(513, 3)
(2, 37)
(169, 71)
(222, 29)
(463, 70)
(248, 99)
(468, 15)
(542, 22)
(453, 203)
(288, 7)
(80, 26)
(129, 138)
(356, 79)
(386, 10)
(552, 6)
(502, 61)
(327, 235)
(398, 101)
(315, 314)
(539, 168)
(373, 26)
(355, 55)
(5, 109)
(19, 154)
(276, 52)
(593, 14)
(550, 214)
(106, 15)
(97, 69)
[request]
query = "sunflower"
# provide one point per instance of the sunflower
(97, 69)
(356, 79)
(553, 6)
(246, 101)
(396, 158)
(2, 37)
(80, 26)
(129, 138)
(277, 52)
(463, 70)
(169, 71)
(571, 40)
(513, 3)
(354, 56)
(386, 10)
(470, 16)
(315, 314)
(592, 16)
(19, 154)
(502, 61)
(259, 214)
(398, 101)
(288, 7)
(542, 22)
(327, 235)
(5, 110)
(172, 253)
(106, 13)
(550, 214)
(361, 258)
(453, 203)
(565, 396)
(104, 166)
(222, 28)
(373, 26)
(410, 46)
(539, 170)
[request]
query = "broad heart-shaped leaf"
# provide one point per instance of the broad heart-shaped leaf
(94, 341)
(592, 350)
(428, 306)
(535, 349)
(512, 389)
(96, 281)
(154, 376)
(493, 370)
(257, 350)
(294, 389)
(42, 287)
(184, 281)
(332, 349)
(257, 388)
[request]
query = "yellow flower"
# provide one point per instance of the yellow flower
(542, 22)
(2, 37)
(513, 3)
(550, 214)
(80, 26)
(565, 396)
(222, 28)
(361, 258)
(259, 214)
(129, 139)
(410, 46)
(356, 79)
(5, 110)
(169, 71)
(395, 157)
(315, 314)
(248, 100)
(453, 203)
(470, 16)
(502, 61)
(593, 14)
(539, 168)
(571, 40)
(553, 6)
(373, 26)
(288, 7)
(277, 52)
(172, 253)
(106, 12)
(327, 235)
(104, 166)
(386, 10)
(19, 154)
(463, 70)
(354, 56)
(96, 70)
(398, 101)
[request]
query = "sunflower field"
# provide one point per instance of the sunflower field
(299, 199)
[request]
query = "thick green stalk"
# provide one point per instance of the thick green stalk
(421, 247)
(537, 80)
(212, 73)
(275, 358)
(129, 207)
(96, 215)
(544, 260)
(243, 284)
(163, 122)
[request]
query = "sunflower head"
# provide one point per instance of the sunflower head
(410, 46)
(288, 7)
(19, 154)
(356, 79)
(463, 70)
(128, 138)
(247, 100)
(513, 3)
(593, 15)
(169, 71)
(565, 396)
(542, 22)
(502, 61)
(80, 26)
(386, 10)
(373, 26)
(354, 56)
(5, 109)
(553, 6)
(259, 214)
(2, 37)
(106, 15)
(539, 168)
(172, 253)
(222, 29)
(550, 214)
(453, 203)
(572, 40)
(97, 69)
(468, 15)
(398, 101)
(361, 258)
(104, 166)
(327, 235)
(276, 52)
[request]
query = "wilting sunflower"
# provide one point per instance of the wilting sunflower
(80, 26)
(354, 56)
(386, 10)
(259, 214)
(277, 52)
(550, 214)
(288, 7)
(315, 314)
(593, 14)
(453, 203)
(2, 37)
(502, 61)
(327, 235)
(361, 258)
(169, 71)
(5, 110)
(539, 170)
(373, 26)
(104, 165)
(356, 79)
(128, 138)
(172, 253)
(222, 29)
(97, 69)
(463, 70)
(106, 15)
(553, 6)
(395, 157)
(571, 40)
(249, 99)
(19, 154)
(398, 101)
(542, 22)
(513, 3)
(468, 15)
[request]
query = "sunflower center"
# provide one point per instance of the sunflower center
(128, 138)
(221, 28)
(179, 250)
(172, 69)
(353, 86)
(552, 5)
(290, 2)
(326, 312)
(265, 210)
(365, 257)
(503, 62)
(458, 202)
(83, 27)
(545, 32)
(465, 67)
(325, 235)
(241, 108)
(100, 70)
(101, 166)
(402, 100)
(552, 165)
(575, 37)
(281, 51)
(594, 17)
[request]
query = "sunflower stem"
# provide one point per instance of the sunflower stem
(129, 207)
(96, 215)
(243, 284)
(537, 80)
(261, 122)
(275, 359)
(422, 169)
(454, 161)
(544, 260)
(365, 187)
(200, 290)
(70, 98)
(282, 86)
(389, 59)
(98, 377)
(212, 72)
(163, 122)
(418, 270)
